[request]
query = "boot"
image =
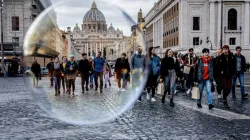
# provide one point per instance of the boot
(210, 106)
(199, 105)
(171, 103)
(163, 99)
(225, 104)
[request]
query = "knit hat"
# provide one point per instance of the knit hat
(225, 47)
(71, 55)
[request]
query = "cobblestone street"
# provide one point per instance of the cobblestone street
(22, 118)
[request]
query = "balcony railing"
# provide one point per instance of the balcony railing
(233, 30)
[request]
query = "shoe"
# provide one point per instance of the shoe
(233, 96)
(148, 96)
(101, 91)
(175, 92)
(210, 106)
(163, 99)
(123, 90)
(138, 101)
(82, 92)
(226, 105)
(87, 89)
(168, 94)
(59, 92)
(91, 85)
(219, 96)
(153, 99)
(95, 89)
(199, 105)
(105, 86)
(244, 96)
(119, 89)
(171, 103)
(188, 91)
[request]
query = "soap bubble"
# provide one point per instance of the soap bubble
(48, 37)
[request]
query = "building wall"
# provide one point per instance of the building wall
(209, 12)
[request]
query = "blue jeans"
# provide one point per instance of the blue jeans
(207, 84)
(240, 76)
(91, 77)
(175, 87)
(57, 81)
(136, 81)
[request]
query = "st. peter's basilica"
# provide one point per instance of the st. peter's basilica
(93, 35)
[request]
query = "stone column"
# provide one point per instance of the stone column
(212, 22)
(218, 24)
(91, 49)
(246, 25)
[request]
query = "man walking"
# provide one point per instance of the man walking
(36, 70)
(205, 77)
(189, 62)
(138, 67)
(240, 69)
(84, 68)
(99, 67)
(50, 67)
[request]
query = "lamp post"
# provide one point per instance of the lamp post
(2, 51)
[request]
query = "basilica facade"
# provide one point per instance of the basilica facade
(93, 35)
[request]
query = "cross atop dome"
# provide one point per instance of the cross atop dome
(94, 6)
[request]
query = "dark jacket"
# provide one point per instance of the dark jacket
(84, 67)
(50, 66)
(216, 66)
(73, 65)
(168, 64)
(243, 63)
(36, 69)
(200, 70)
(228, 67)
(58, 72)
(121, 64)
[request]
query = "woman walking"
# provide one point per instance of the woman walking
(57, 74)
(217, 73)
(122, 70)
(71, 70)
(63, 77)
(154, 72)
(169, 69)
(227, 69)
(107, 75)
(91, 72)
(36, 70)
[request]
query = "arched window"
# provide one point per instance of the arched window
(232, 19)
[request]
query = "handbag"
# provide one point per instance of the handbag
(186, 70)
(160, 89)
(195, 93)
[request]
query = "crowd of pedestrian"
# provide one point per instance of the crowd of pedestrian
(186, 71)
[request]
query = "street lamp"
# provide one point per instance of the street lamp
(2, 51)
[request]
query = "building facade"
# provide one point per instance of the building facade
(197, 24)
(94, 35)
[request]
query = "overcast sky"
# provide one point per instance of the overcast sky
(71, 12)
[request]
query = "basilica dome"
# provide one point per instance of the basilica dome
(94, 14)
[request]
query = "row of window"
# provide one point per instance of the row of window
(197, 41)
(170, 32)
(171, 11)
(170, 43)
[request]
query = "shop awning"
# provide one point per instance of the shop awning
(40, 50)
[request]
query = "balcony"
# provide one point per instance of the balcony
(238, 29)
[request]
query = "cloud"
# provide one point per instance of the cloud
(71, 12)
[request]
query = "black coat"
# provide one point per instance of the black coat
(228, 67)
(217, 71)
(168, 63)
(243, 63)
(119, 65)
(84, 67)
(36, 69)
